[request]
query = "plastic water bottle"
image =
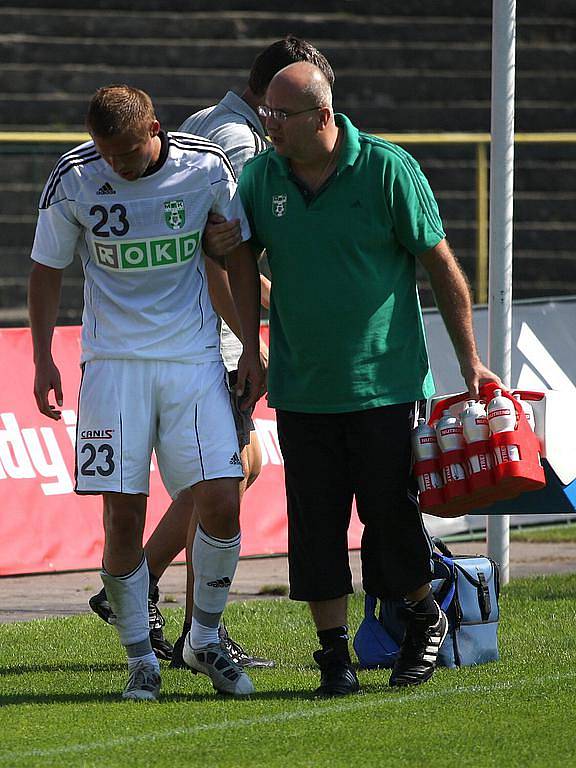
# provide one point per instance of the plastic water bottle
(528, 411)
(424, 441)
(502, 418)
(476, 430)
(450, 438)
(425, 449)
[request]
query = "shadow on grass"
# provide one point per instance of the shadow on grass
(25, 669)
(115, 697)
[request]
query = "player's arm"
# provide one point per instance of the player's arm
(452, 295)
(223, 302)
(221, 295)
(244, 278)
(44, 288)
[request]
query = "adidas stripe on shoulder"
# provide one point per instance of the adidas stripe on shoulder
(259, 143)
(196, 143)
(81, 155)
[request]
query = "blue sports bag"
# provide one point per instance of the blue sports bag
(467, 588)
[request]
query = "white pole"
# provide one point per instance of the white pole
(501, 230)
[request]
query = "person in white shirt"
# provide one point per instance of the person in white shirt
(233, 124)
(132, 204)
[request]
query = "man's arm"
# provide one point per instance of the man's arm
(244, 280)
(452, 295)
(43, 302)
(221, 295)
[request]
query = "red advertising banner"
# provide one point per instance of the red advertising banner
(44, 525)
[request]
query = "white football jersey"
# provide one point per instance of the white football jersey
(233, 124)
(145, 291)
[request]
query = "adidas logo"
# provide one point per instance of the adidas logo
(220, 583)
(235, 459)
(106, 189)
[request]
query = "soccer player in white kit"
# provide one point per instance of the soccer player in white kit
(234, 125)
(133, 203)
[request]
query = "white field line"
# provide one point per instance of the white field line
(354, 704)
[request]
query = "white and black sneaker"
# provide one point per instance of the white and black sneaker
(214, 660)
(239, 654)
(143, 683)
(416, 661)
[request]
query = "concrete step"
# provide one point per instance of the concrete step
(536, 177)
(342, 54)
(379, 89)
(252, 24)
(13, 292)
(64, 112)
(134, 52)
(548, 237)
(417, 8)
(242, 24)
(16, 261)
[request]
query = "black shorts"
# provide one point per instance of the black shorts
(242, 419)
(328, 460)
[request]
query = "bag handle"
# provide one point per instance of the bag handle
(441, 405)
(486, 393)
(369, 606)
(448, 596)
(527, 394)
(440, 545)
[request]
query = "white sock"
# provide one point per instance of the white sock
(128, 596)
(201, 636)
(149, 658)
(214, 562)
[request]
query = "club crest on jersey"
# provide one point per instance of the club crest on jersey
(174, 213)
(279, 204)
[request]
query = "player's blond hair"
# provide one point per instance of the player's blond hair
(117, 109)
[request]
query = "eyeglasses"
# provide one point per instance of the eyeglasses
(280, 115)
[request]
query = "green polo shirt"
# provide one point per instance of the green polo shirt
(346, 330)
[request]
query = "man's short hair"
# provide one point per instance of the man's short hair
(279, 55)
(117, 109)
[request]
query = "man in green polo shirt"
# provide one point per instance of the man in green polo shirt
(343, 217)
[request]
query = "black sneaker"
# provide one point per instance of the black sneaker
(100, 605)
(161, 647)
(416, 661)
(239, 655)
(177, 662)
(337, 677)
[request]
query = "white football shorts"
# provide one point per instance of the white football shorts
(129, 407)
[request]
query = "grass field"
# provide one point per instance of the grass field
(566, 532)
(60, 681)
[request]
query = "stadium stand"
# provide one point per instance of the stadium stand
(402, 66)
